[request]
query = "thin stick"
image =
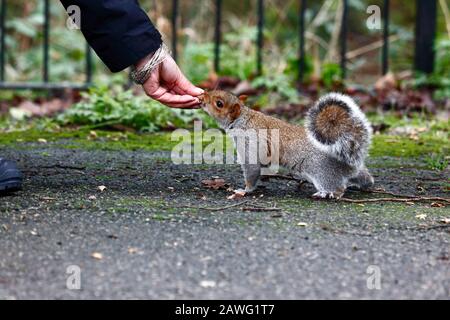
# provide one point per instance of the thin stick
(407, 195)
(418, 199)
(260, 209)
(372, 46)
(218, 208)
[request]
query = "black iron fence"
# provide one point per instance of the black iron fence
(46, 82)
(424, 56)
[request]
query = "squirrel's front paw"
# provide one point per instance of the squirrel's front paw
(239, 193)
(242, 192)
(249, 189)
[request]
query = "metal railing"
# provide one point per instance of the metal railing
(46, 81)
(425, 28)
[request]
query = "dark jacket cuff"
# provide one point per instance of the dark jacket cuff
(120, 32)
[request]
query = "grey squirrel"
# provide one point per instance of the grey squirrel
(329, 151)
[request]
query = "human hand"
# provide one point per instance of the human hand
(168, 85)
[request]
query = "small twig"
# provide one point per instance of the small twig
(370, 47)
(260, 209)
(390, 193)
(218, 208)
(407, 195)
(417, 199)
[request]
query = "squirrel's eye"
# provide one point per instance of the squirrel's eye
(219, 104)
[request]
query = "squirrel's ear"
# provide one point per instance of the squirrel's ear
(235, 111)
(243, 98)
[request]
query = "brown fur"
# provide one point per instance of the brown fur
(231, 109)
(289, 134)
(332, 121)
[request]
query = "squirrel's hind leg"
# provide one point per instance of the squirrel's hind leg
(329, 187)
(363, 179)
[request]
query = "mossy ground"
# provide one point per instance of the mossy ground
(431, 140)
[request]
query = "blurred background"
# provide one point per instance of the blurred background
(277, 90)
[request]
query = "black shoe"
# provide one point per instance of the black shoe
(10, 176)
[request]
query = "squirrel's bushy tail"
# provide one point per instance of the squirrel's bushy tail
(337, 126)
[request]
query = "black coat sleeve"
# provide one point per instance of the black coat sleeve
(119, 31)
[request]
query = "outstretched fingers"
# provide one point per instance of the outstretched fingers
(174, 100)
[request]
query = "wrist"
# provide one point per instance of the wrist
(141, 71)
(141, 63)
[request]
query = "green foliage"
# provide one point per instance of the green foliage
(280, 84)
(331, 74)
(440, 78)
(237, 56)
(196, 61)
(292, 68)
(102, 106)
(436, 162)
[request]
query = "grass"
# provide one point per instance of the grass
(436, 162)
(398, 146)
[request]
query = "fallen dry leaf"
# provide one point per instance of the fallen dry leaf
(214, 183)
(97, 255)
(437, 205)
(92, 198)
(421, 216)
(43, 108)
(445, 220)
(237, 194)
